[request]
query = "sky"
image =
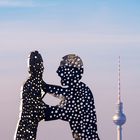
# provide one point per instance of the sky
(99, 31)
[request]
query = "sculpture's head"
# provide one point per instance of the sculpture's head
(35, 63)
(70, 70)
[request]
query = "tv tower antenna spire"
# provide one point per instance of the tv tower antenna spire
(119, 81)
(119, 118)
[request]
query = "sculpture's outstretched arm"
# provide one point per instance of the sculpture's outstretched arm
(55, 90)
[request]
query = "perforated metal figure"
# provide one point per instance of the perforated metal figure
(32, 106)
(78, 105)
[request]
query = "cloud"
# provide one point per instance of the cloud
(17, 3)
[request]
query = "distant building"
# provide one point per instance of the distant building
(119, 118)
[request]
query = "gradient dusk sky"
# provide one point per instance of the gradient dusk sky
(99, 31)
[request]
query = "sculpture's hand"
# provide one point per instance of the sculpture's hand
(63, 101)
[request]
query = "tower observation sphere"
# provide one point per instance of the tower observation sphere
(119, 118)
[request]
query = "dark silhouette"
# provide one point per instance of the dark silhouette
(78, 105)
(31, 101)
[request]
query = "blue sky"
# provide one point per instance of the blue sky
(98, 31)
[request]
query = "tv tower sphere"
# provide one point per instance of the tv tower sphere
(119, 118)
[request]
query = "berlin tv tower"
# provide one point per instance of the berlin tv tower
(119, 118)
